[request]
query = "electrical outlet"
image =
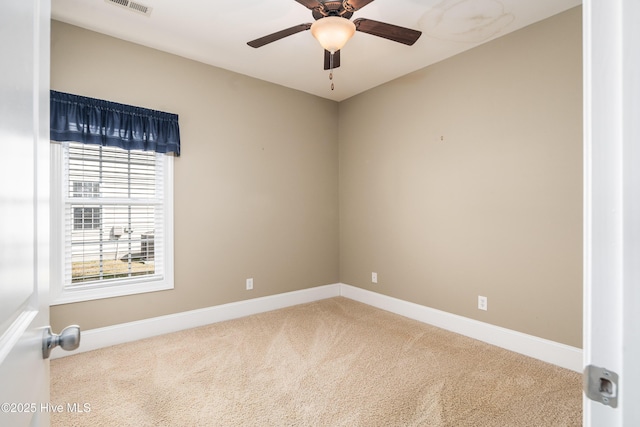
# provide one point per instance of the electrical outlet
(374, 277)
(249, 284)
(482, 303)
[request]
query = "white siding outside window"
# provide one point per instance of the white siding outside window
(112, 224)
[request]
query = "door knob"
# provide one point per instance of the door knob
(69, 339)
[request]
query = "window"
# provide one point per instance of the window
(111, 198)
(113, 226)
(86, 218)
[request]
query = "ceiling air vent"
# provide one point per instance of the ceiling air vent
(132, 6)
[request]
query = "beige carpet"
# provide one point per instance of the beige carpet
(334, 362)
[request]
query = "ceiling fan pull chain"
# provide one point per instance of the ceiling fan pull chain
(331, 69)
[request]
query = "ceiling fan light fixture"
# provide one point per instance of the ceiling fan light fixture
(333, 32)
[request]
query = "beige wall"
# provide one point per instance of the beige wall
(256, 186)
(465, 179)
(494, 208)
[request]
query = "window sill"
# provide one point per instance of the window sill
(80, 294)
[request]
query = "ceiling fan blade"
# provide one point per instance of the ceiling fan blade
(310, 4)
(278, 35)
(358, 4)
(388, 31)
(327, 59)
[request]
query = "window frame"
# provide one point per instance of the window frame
(60, 294)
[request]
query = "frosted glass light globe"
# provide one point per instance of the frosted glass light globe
(333, 32)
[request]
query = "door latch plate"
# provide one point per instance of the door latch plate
(601, 385)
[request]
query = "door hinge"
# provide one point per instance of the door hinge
(601, 385)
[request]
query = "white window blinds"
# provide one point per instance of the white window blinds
(114, 215)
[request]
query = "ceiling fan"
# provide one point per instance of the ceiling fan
(333, 28)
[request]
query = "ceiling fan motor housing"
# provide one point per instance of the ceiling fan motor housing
(332, 8)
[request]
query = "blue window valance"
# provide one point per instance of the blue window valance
(95, 121)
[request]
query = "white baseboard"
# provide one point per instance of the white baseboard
(94, 339)
(548, 351)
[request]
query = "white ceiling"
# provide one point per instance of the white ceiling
(216, 32)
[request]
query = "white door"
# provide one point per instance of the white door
(24, 211)
(612, 204)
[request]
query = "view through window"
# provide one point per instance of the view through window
(113, 212)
